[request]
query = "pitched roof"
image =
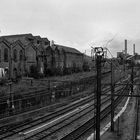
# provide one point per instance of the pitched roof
(40, 47)
(18, 42)
(31, 45)
(5, 41)
(45, 39)
(66, 49)
(37, 37)
(17, 35)
(21, 37)
(137, 57)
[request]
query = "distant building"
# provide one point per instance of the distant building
(5, 54)
(27, 47)
(137, 59)
(20, 53)
(59, 56)
(17, 59)
(120, 55)
(70, 56)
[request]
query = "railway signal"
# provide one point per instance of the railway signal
(99, 54)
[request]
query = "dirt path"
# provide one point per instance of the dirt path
(123, 131)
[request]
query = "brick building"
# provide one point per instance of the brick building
(64, 57)
(30, 57)
(17, 59)
(19, 53)
(33, 49)
(137, 59)
(5, 51)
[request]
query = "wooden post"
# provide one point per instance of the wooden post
(112, 97)
(98, 96)
(132, 76)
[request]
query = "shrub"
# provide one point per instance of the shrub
(49, 72)
(35, 73)
(3, 81)
(86, 66)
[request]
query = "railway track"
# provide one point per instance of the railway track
(81, 131)
(12, 130)
(51, 130)
(28, 100)
(84, 111)
(8, 131)
(15, 130)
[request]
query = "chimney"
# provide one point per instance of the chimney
(133, 49)
(125, 41)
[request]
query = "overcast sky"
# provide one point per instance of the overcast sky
(75, 23)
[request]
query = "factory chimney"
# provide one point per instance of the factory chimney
(133, 49)
(125, 41)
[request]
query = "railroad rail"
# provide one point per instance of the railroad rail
(15, 130)
(43, 134)
(82, 130)
(29, 100)
(67, 121)
(7, 131)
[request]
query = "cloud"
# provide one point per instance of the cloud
(76, 23)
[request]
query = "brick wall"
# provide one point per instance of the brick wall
(31, 55)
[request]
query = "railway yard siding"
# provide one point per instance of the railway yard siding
(30, 115)
(65, 91)
(57, 90)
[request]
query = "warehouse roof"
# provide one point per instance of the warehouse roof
(21, 37)
(65, 48)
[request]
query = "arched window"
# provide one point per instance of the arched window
(0, 55)
(5, 55)
(15, 55)
(20, 55)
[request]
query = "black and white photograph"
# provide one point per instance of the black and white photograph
(69, 70)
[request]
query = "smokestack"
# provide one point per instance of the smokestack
(133, 49)
(125, 41)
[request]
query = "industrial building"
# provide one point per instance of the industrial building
(24, 53)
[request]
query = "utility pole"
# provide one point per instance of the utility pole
(112, 96)
(132, 76)
(125, 54)
(98, 96)
(124, 61)
(98, 56)
(125, 49)
(132, 71)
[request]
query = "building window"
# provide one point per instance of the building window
(5, 55)
(21, 55)
(31, 40)
(15, 55)
(37, 41)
